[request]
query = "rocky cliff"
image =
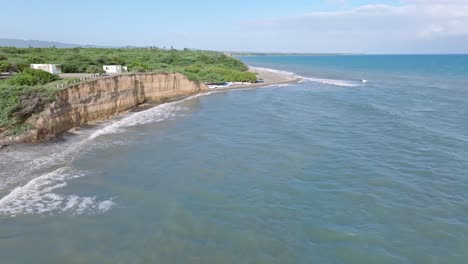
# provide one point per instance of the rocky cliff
(102, 98)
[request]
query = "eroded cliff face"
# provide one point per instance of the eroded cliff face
(102, 98)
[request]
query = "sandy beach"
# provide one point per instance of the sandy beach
(270, 76)
(266, 77)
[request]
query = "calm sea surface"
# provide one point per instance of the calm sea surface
(329, 170)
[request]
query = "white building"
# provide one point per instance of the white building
(52, 68)
(114, 69)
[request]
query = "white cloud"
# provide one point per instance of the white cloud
(441, 2)
(378, 28)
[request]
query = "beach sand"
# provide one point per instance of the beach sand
(268, 77)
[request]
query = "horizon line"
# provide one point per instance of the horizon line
(97, 46)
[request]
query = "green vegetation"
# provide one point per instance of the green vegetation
(17, 103)
(32, 77)
(30, 90)
(204, 66)
(4, 66)
(19, 129)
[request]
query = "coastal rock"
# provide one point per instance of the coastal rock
(103, 98)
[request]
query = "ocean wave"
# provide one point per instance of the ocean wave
(158, 113)
(335, 82)
(26, 162)
(280, 85)
(155, 114)
(274, 70)
(38, 197)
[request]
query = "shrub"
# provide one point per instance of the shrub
(139, 66)
(35, 59)
(69, 68)
(32, 77)
(94, 69)
(19, 102)
(4, 66)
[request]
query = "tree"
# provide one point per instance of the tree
(35, 59)
(94, 69)
(4, 66)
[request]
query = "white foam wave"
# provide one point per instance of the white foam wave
(284, 85)
(38, 197)
(155, 114)
(158, 113)
(280, 85)
(27, 163)
(334, 82)
(274, 70)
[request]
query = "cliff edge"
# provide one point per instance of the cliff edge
(101, 99)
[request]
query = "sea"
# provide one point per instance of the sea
(363, 161)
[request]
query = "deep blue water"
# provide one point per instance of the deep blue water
(329, 170)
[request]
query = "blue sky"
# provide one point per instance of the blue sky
(365, 26)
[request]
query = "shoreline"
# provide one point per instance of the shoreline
(269, 76)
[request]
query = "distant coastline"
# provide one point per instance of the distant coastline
(291, 54)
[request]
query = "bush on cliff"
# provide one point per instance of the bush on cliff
(19, 102)
(32, 77)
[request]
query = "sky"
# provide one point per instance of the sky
(320, 26)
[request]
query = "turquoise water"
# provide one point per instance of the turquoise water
(329, 170)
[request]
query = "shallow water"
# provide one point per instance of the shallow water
(316, 172)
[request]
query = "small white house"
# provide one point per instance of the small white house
(52, 68)
(114, 69)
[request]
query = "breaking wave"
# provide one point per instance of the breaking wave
(335, 82)
(167, 111)
(38, 196)
(275, 71)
